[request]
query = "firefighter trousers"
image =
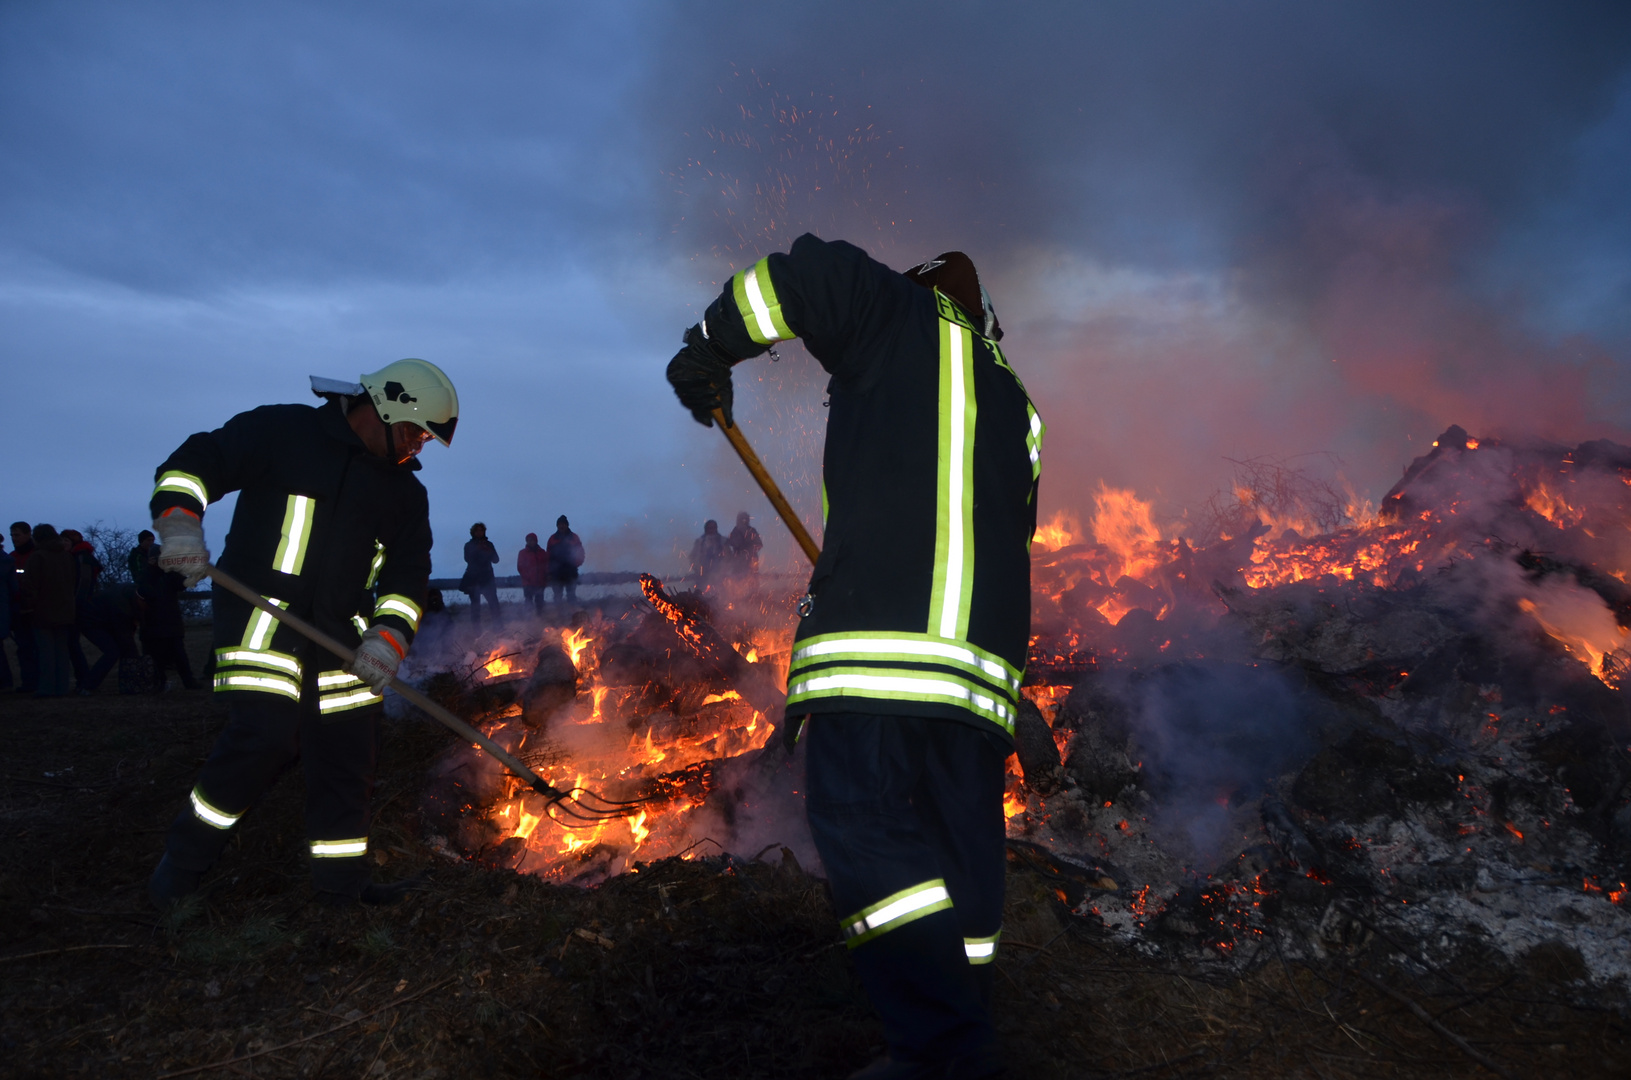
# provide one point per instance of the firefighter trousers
(265, 734)
(907, 815)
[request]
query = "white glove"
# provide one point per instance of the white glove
(181, 545)
(378, 657)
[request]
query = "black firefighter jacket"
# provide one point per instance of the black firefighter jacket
(920, 603)
(321, 526)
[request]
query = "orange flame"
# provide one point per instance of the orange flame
(497, 665)
(575, 641)
(1580, 622)
(1553, 507)
(1061, 531)
(1122, 523)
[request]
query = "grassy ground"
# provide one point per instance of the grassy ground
(687, 969)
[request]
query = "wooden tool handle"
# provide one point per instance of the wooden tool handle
(768, 486)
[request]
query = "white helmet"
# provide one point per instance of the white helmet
(416, 391)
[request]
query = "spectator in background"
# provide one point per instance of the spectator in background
(533, 565)
(565, 556)
(477, 582)
(707, 553)
(164, 632)
(139, 556)
(745, 543)
(108, 621)
(8, 584)
(48, 595)
(87, 577)
(22, 622)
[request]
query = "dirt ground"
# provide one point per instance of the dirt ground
(704, 968)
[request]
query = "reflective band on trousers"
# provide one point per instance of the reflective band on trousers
(896, 911)
(400, 606)
(291, 550)
(185, 484)
(212, 816)
(981, 950)
(339, 849)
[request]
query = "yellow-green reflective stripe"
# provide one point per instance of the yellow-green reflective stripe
(212, 815)
(341, 702)
(376, 565)
(360, 623)
(260, 658)
(1033, 440)
(328, 680)
(395, 604)
(185, 483)
(756, 299)
(258, 634)
(954, 497)
(291, 550)
(894, 684)
(339, 849)
(985, 656)
(271, 684)
(981, 950)
(950, 310)
(885, 647)
(895, 911)
(824, 506)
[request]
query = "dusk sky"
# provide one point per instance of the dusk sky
(1213, 231)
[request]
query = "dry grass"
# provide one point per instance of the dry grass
(687, 969)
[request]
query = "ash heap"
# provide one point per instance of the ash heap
(1307, 723)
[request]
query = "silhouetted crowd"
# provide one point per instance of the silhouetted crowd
(716, 558)
(553, 566)
(58, 595)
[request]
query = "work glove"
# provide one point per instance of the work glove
(378, 657)
(700, 374)
(181, 545)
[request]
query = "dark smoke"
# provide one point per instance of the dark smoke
(1214, 230)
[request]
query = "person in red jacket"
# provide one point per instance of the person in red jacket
(532, 563)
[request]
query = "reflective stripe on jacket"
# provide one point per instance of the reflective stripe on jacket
(322, 528)
(921, 597)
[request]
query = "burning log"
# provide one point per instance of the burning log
(756, 684)
(1038, 753)
(552, 684)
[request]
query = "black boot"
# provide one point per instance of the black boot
(171, 883)
(374, 894)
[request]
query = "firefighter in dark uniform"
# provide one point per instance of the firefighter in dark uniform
(907, 661)
(333, 526)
